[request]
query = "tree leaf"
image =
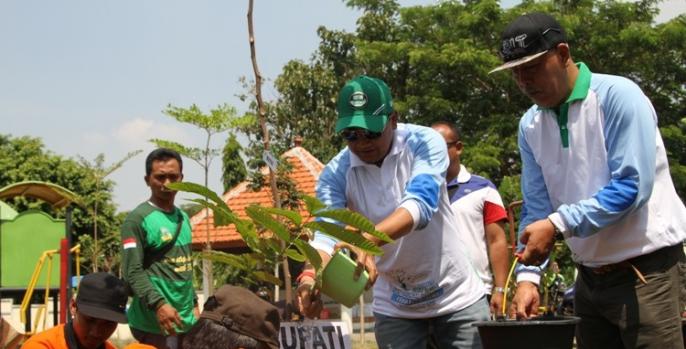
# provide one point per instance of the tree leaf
(267, 277)
(291, 215)
(220, 216)
(199, 189)
(310, 252)
(345, 235)
(261, 217)
(295, 255)
(354, 220)
(234, 261)
(194, 154)
(313, 204)
(248, 233)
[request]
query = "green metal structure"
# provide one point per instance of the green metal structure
(24, 239)
(25, 236)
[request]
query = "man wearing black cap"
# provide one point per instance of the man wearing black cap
(394, 174)
(235, 318)
(595, 173)
(100, 304)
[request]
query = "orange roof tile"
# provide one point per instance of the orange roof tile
(306, 169)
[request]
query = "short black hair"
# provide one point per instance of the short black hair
(161, 154)
(452, 126)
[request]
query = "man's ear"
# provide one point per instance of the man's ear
(564, 54)
(393, 118)
(145, 178)
(459, 147)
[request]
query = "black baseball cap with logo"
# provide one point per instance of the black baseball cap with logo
(102, 296)
(528, 37)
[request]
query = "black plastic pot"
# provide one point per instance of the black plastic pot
(540, 332)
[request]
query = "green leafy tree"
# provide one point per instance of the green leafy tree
(436, 60)
(675, 142)
(234, 170)
(98, 173)
(26, 158)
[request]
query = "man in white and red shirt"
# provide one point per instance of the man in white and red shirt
(480, 218)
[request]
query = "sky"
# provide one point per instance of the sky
(91, 77)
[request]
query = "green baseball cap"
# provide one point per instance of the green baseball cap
(364, 102)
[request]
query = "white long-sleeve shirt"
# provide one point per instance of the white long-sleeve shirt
(601, 175)
(425, 273)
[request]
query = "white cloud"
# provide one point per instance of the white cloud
(134, 134)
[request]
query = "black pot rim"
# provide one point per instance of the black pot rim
(536, 321)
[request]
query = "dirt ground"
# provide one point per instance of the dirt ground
(368, 343)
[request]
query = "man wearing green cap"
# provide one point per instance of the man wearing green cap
(394, 174)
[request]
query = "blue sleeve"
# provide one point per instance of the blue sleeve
(331, 192)
(430, 162)
(536, 203)
(630, 141)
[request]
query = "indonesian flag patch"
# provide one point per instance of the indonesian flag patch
(129, 243)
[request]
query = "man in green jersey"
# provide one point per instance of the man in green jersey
(156, 258)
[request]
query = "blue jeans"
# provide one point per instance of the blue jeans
(452, 330)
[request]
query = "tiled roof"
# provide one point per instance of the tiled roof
(306, 169)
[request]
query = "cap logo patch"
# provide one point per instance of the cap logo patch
(511, 44)
(358, 99)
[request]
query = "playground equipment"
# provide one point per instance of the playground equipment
(26, 302)
(31, 236)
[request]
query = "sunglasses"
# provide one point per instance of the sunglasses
(352, 135)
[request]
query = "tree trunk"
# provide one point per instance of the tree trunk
(265, 133)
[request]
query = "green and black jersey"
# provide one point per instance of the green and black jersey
(168, 278)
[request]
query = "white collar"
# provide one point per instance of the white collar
(463, 176)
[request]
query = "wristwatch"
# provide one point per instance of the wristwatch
(498, 290)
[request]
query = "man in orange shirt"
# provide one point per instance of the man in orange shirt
(100, 304)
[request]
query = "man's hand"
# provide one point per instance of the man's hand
(168, 317)
(364, 262)
(497, 304)
(538, 238)
(526, 300)
(196, 312)
(309, 298)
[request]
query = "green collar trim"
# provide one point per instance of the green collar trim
(581, 85)
(579, 93)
